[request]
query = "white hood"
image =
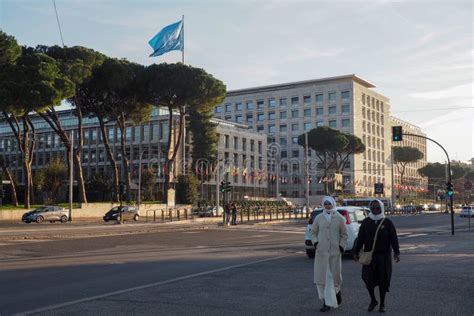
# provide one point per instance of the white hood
(382, 213)
(330, 199)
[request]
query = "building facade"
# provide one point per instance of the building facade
(282, 112)
(147, 140)
(413, 183)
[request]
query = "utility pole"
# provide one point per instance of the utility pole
(392, 196)
(306, 171)
(71, 174)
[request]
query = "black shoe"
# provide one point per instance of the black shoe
(382, 308)
(339, 298)
(325, 308)
(372, 306)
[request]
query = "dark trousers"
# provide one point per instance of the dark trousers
(227, 217)
(234, 218)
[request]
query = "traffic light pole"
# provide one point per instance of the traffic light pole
(449, 177)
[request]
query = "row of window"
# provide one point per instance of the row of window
(272, 102)
(371, 101)
(374, 155)
(372, 116)
(243, 143)
(249, 117)
(373, 142)
(283, 128)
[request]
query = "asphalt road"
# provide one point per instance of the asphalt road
(209, 270)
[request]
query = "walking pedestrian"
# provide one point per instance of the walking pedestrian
(234, 214)
(329, 237)
(379, 271)
(227, 213)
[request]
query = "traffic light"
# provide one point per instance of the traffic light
(228, 187)
(222, 187)
(449, 189)
(397, 133)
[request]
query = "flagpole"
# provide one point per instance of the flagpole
(184, 118)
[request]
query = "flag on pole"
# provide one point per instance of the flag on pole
(169, 38)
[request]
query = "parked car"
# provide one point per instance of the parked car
(467, 211)
(354, 216)
(210, 211)
(123, 214)
(46, 213)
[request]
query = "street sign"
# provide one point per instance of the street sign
(468, 185)
(6, 182)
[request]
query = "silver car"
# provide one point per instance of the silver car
(46, 213)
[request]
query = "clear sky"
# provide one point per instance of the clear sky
(418, 53)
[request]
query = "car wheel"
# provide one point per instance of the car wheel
(51, 221)
(135, 218)
(106, 220)
(39, 219)
(311, 253)
(63, 219)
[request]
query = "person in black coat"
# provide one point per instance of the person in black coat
(234, 214)
(379, 272)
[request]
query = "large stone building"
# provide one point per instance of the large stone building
(140, 140)
(413, 183)
(282, 112)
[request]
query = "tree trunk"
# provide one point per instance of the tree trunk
(52, 119)
(26, 164)
(77, 157)
(125, 162)
(110, 155)
(9, 176)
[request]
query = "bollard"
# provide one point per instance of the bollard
(248, 214)
(264, 213)
(241, 216)
(171, 215)
(179, 214)
(271, 214)
(186, 213)
(154, 215)
(162, 215)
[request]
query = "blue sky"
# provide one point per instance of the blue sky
(417, 53)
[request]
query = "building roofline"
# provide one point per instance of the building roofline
(228, 123)
(293, 84)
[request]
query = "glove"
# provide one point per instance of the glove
(315, 245)
(341, 249)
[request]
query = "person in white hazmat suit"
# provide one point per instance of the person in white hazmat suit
(329, 237)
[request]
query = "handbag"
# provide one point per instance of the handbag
(365, 258)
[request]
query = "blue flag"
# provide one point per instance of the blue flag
(169, 38)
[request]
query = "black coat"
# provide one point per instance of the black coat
(379, 272)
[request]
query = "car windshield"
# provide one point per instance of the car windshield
(40, 209)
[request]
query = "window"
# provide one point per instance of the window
(128, 133)
(307, 99)
(226, 141)
(295, 127)
(346, 109)
(363, 99)
(294, 113)
(228, 107)
(260, 128)
(250, 105)
(259, 147)
(271, 103)
(319, 111)
(239, 119)
(252, 145)
(146, 132)
(332, 97)
(283, 102)
(307, 112)
(283, 154)
(244, 145)
(110, 135)
(271, 128)
(271, 115)
(236, 142)
(346, 123)
(283, 140)
(363, 112)
(260, 104)
(319, 123)
(307, 126)
(239, 106)
(295, 154)
(294, 140)
(345, 95)
(227, 117)
(260, 117)
(295, 100)
(218, 109)
(249, 118)
(332, 110)
(137, 135)
(319, 99)
(283, 115)
(283, 128)
(332, 123)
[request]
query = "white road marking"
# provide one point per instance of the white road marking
(142, 287)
